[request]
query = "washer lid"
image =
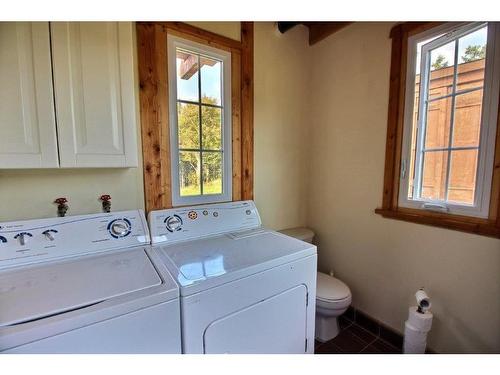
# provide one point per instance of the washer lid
(329, 288)
(36, 292)
(207, 262)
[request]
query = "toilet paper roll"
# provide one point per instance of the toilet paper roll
(421, 322)
(413, 335)
(411, 348)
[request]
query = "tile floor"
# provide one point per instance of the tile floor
(354, 339)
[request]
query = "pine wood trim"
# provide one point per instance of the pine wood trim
(395, 123)
(153, 97)
(236, 126)
(153, 83)
(468, 224)
(196, 34)
(247, 109)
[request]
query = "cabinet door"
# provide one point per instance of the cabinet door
(93, 68)
(27, 122)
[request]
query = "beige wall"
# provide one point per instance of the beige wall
(228, 29)
(385, 261)
(281, 76)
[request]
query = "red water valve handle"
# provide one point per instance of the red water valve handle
(106, 202)
(62, 206)
(61, 201)
(105, 197)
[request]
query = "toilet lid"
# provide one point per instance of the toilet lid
(331, 289)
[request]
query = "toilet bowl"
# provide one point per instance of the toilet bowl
(333, 297)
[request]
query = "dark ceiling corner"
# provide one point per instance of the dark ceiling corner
(317, 30)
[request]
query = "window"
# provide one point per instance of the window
(450, 137)
(200, 122)
(442, 126)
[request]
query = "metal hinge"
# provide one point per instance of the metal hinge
(305, 348)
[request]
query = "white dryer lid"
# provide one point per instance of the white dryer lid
(207, 262)
(35, 292)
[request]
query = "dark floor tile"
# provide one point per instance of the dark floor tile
(392, 337)
(366, 336)
(327, 348)
(317, 343)
(349, 314)
(367, 323)
(344, 322)
(346, 342)
(380, 347)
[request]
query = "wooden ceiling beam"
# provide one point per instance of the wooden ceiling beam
(320, 30)
(317, 30)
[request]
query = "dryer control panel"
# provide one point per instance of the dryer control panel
(187, 223)
(31, 241)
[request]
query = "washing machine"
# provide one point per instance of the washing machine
(243, 288)
(85, 284)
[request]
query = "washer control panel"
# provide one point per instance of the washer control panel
(30, 241)
(186, 223)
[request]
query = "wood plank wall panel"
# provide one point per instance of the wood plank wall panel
(153, 93)
(247, 91)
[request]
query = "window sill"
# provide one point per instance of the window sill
(467, 224)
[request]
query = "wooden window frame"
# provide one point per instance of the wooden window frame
(154, 105)
(489, 226)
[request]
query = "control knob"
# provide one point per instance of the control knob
(22, 237)
(49, 233)
(119, 227)
(173, 223)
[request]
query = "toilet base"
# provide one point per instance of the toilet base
(327, 327)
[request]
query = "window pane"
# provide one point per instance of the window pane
(212, 173)
(443, 56)
(211, 122)
(211, 82)
(189, 173)
(187, 76)
(472, 54)
(463, 169)
(441, 76)
(434, 175)
(414, 132)
(188, 119)
(437, 130)
(467, 122)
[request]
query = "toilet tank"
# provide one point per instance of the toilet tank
(300, 233)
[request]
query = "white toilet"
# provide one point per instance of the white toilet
(333, 297)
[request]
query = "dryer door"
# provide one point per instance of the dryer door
(274, 325)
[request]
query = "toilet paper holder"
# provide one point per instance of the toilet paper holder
(423, 301)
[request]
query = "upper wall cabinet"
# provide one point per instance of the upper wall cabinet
(27, 121)
(87, 79)
(94, 91)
